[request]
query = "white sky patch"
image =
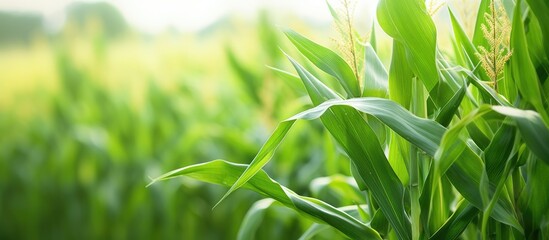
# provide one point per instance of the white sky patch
(187, 15)
(154, 16)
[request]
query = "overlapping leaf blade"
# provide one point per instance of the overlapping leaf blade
(361, 144)
(328, 61)
(534, 200)
(454, 153)
(409, 23)
(466, 173)
(375, 75)
(475, 156)
(226, 173)
(457, 223)
(316, 228)
(253, 218)
(463, 41)
(448, 111)
(400, 83)
(523, 70)
(532, 129)
(358, 140)
(478, 36)
(540, 9)
(424, 133)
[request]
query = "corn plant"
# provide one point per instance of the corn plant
(442, 145)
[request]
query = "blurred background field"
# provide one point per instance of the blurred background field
(92, 107)
(93, 102)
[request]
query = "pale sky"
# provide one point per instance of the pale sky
(187, 15)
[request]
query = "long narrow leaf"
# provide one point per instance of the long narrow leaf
(328, 61)
(375, 75)
(523, 70)
(361, 144)
(540, 9)
(253, 219)
(424, 133)
(226, 173)
(409, 23)
(457, 223)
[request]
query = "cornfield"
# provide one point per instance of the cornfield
(427, 120)
(441, 144)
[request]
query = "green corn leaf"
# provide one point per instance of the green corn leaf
(441, 198)
(466, 47)
(439, 96)
(362, 146)
(399, 152)
(463, 41)
(540, 9)
(226, 173)
(375, 75)
(498, 152)
(534, 200)
(263, 156)
(532, 129)
(452, 145)
(424, 133)
(253, 218)
(313, 231)
(500, 188)
(507, 86)
(249, 79)
(456, 224)
(449, 77)
(409, 23)
(311, 83)
(447, 112)
(380, 223)
(317, 229)
(351, 131)
(484, 89)
(400, 76)
(478, 36)
(465, 174)
(333, 12)
(344, 187)
(459, 56)
(291, 79)
(328, 61)
(535, 40)
(523, 70)
(373, 38)
(359, 181)
(400, 83)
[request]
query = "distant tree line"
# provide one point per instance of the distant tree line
(21, 27)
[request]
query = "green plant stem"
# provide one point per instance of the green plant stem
(414, 192)
(418, 108)
(494, 200)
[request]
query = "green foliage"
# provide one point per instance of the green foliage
(79, 145)
(260, 182)
(18, 27)
(409, 23)
(328, 61)
(437, 152)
